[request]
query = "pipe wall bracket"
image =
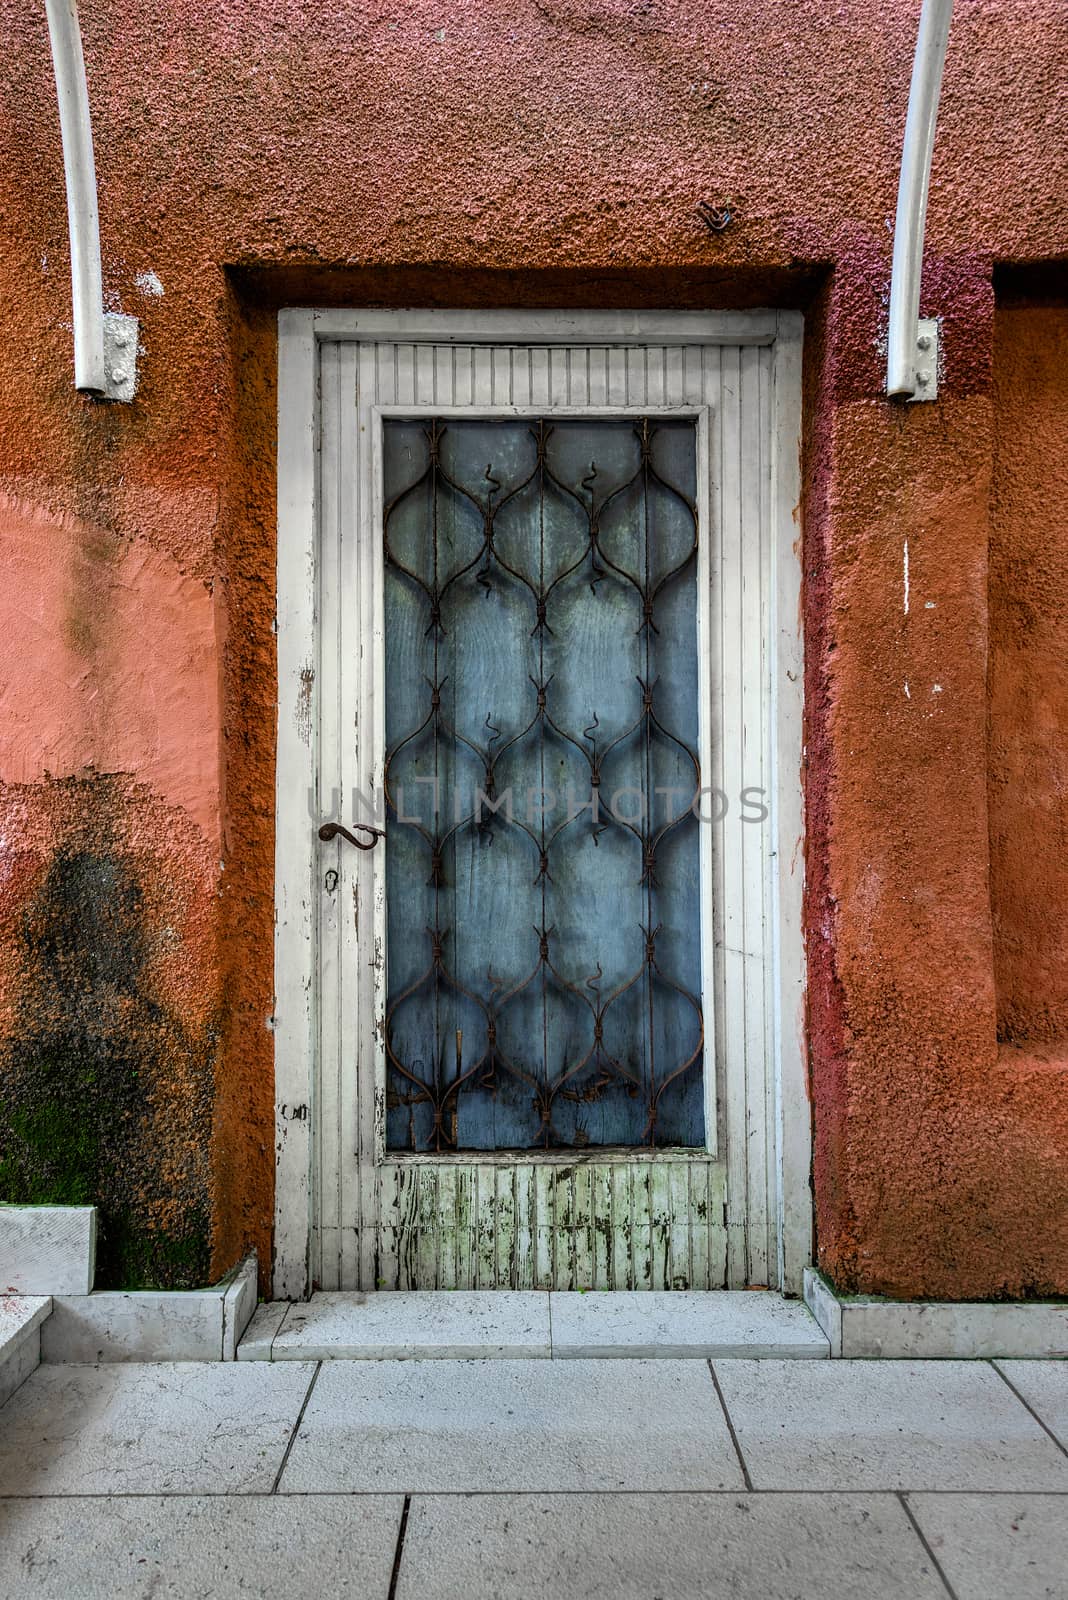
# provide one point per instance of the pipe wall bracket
(120, 356)
(925, 357)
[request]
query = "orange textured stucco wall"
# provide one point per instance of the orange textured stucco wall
(491, 152)
(1029, 674)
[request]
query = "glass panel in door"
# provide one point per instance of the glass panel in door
(541, 775)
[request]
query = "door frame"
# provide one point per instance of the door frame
(299, 607)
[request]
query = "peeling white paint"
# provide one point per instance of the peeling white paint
(928, 605)
(936, 688)
(907, 694)
(906, 577)
(149, 283)
(491, 1213)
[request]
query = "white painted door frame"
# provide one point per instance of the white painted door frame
(772, 1113)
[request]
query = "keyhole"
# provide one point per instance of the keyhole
(330, 881)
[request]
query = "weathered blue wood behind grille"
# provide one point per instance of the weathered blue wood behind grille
(544, 968)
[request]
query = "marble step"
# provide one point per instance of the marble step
(533, 1324)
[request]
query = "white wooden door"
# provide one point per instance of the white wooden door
(596, 1083)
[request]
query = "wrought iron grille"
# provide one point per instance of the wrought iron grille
(543, 921)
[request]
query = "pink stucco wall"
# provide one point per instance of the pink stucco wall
(553, 153)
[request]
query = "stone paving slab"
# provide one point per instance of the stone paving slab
(673, 1324)
(998, 1547)
(1044, 1385)
(415, 1325)
(170, 1428)
(434, 1426)
(193, 1548)
(649, 1547)
(886, 1425)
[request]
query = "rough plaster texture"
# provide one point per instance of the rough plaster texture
(1029, 674)
(491, 152)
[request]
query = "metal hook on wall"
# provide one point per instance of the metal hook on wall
(334, 830)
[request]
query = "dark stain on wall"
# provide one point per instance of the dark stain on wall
(93, 1058)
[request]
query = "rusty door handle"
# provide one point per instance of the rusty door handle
(330, 830)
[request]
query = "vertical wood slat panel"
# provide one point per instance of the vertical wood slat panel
(407, 1244)
(660, 1224)
(559, 371)
(601, 1216)
(621, 1222)
(748, 837)
(598, 363)
(582, 1224)
(444, 388)
(363, 657)
(425, 372)
(701, 377)
(358, 377)
(486, 1226)
(767, 827)
(429, 1242)
(655, 382)
(545, 1237)
(729, 692)
(674, 377)
(697, 1211)
(641, 1226)
(380, 1272)
(521, 378)
(383, 385)
(446, 1229)
(466, 1210)
(579, 379)
(617, 377)
(539, 377)
(680, 1224)
(463, 386)
(506, 1228)
(404, 386)
(564, 1227)
(524, 1228)
(327, 1103)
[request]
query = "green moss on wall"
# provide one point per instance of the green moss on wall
(87, 1087)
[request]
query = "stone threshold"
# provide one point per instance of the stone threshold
(422, 1325)
(866, 1327)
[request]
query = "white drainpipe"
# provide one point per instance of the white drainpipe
(105, 346)
(912, 356)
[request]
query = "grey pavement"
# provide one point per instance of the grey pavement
(630, 1479)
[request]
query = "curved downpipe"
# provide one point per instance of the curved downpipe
(83, 220)
(926, 87)
(105, 348)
